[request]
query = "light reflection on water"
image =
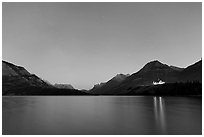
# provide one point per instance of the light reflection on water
(101, 115)
(159, 112)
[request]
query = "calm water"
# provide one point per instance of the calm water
(101, 115)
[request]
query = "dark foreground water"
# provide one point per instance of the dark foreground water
(101, 115)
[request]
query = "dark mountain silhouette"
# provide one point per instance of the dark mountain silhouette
(64, 86)
(192, 72)
(107, 86)
(16, 80)
(154, 71)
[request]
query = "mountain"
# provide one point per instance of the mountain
(152, 72)
(97, 86)
(64, 86)
(192, 72)
(16, 80)
(109, 85)
(16, 77)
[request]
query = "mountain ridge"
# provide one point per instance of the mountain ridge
(17, 78)
(154, 71)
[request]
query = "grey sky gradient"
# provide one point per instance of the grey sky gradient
(88, 43)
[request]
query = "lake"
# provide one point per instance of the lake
(101, 115)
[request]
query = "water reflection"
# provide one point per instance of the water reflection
(159, 113)
(77, 115)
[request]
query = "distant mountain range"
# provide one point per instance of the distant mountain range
(16, 80)
(151, 72)
(64, 86)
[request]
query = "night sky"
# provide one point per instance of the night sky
(87, 43)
